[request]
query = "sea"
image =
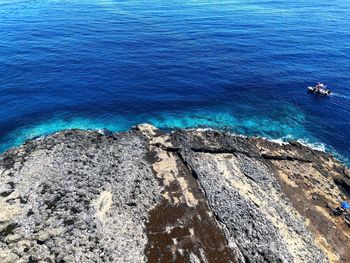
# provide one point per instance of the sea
(240, 66)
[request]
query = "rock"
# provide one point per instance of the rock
(7, 257)
(347, 220)
(105, 132)
(187, 196)
(13, 238)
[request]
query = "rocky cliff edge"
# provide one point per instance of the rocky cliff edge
(185, 196)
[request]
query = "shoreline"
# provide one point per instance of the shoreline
(134, 194)
(319, 146)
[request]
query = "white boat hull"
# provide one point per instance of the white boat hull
(322, 91)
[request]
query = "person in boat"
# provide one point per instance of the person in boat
(318, 86)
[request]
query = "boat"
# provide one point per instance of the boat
(320, 89)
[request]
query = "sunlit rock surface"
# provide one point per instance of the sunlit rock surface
(185, 196)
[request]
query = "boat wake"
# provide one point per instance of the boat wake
(341, 96)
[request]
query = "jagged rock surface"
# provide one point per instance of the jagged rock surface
(76, 196)
(185, 196)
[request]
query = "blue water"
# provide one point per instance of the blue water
(238, 65)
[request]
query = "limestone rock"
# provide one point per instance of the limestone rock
(185, 196)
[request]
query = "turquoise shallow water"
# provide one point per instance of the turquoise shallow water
(233, 65)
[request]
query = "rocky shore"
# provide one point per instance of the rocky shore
(185, 196)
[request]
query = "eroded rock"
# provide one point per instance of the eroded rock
(185, 196)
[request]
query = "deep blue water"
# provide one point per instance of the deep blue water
(237, 65)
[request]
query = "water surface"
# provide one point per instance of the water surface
(237, 65)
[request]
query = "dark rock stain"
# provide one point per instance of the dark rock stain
(7, 230)
(6, 193)
(9, 161)
(343, 185)
(177, 230)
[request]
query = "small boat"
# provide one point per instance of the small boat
(320, 89)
